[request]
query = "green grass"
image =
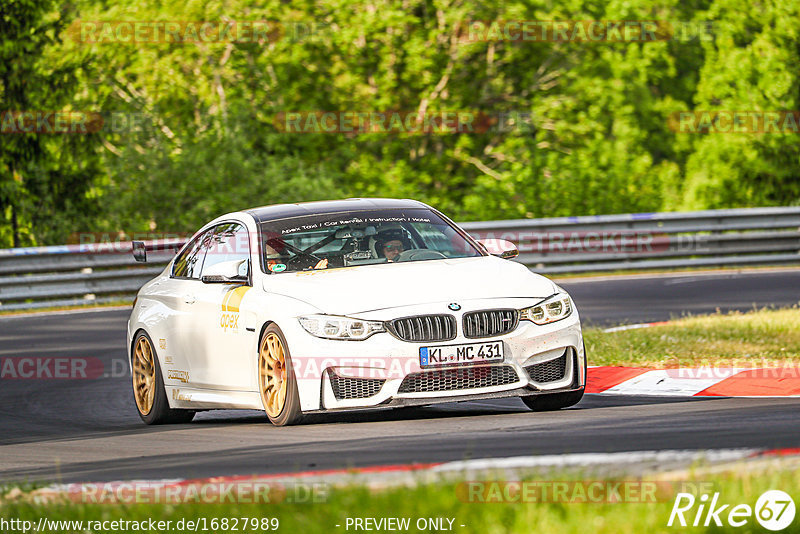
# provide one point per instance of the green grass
(736, 338)
(444, 500)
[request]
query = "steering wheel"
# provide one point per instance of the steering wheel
(417, 254)
(302, 259)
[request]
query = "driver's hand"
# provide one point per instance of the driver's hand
(322, 264)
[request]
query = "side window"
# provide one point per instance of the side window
(190, 260)
(228, 242)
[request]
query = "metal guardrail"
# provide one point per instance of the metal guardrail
(752, 236)
(72, 274)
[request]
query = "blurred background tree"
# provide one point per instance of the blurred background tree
(46, 180)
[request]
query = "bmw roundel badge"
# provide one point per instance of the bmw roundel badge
(454, 306)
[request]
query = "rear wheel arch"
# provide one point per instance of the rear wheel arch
(140, 330)
(159, 410)
(133, 343)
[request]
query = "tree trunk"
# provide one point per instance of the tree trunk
(14, 227)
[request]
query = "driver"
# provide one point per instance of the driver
(390, 244)
(392, 249)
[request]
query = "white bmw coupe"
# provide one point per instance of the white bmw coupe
(363, 303)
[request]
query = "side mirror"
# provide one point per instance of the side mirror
(226, 272)
(139, 251)
(500, 248)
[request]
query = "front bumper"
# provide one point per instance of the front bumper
(384, 371)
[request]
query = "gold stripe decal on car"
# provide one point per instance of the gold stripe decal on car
(233, 298)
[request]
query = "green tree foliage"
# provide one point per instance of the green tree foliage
(193, 129)
(46, 180)
(751, 65)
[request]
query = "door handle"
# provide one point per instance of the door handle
(189, 299)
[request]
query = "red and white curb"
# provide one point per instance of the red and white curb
(214, 488)
(702, 382)
(689, 382)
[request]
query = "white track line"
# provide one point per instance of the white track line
(588, 459)
(631, 326)
(63, 312)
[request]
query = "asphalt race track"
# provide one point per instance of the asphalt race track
(88, 430)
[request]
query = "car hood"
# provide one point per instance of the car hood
(374, 287)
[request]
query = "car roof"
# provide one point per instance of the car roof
(285, 211)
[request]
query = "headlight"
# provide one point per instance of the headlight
(334, 327)
(553, 309)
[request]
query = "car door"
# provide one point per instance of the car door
(222, 356)
(178, 295)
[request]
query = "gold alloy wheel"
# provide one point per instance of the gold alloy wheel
(272, 379)
(144, 375)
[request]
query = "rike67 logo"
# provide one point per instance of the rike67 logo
(774, 510)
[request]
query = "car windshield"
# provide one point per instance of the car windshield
(350, 239)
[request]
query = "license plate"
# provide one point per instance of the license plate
(461, 354)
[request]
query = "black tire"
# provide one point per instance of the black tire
(549, 402)
(290, 413)
(160, 413)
